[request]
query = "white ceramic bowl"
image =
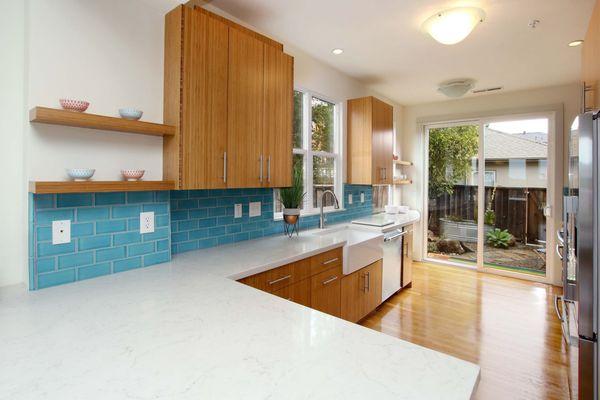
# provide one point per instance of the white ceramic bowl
(132, 174)
(130, 113)
(80, 174)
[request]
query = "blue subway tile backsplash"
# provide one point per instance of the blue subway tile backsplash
(105, 235)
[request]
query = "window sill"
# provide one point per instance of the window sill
(279, 216)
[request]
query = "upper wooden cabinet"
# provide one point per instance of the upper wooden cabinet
(228, 92)
(591, 62)
(370, 141)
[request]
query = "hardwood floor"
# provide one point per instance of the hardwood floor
(506, 326)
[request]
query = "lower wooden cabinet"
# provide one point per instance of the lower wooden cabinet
(361, 292)
(325, 291)
(299, 293)
(318, 282)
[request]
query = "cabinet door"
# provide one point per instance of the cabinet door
(374, 281)
(278, 109)
(383, 142)
(354, 291)
(325, 294)
(360, 141)
(204, 107)
(407, 258)
(245, 111)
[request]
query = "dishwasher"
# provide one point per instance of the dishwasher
(397, 261)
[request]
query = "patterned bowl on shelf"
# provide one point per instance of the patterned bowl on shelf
(132, 174)
(74, 105)
(80, 174)
(130, 113)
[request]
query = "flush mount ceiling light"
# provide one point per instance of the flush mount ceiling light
(337, 52)
(456, 88)
(576, 43)
(453, 25)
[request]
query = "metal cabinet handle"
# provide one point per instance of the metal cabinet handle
(260, 174)
(556, 308)
(328, 281)
(364, 288)
(225, 167)
(559, 252)
(280, 279)
(269, 169)
(330, 261)
(368, 275)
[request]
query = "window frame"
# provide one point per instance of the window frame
(308, 153)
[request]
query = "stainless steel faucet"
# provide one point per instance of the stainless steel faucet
(336, 206)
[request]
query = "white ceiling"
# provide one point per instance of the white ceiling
(385, 48)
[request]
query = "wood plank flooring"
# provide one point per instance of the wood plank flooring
(506, 326)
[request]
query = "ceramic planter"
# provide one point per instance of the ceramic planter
(291, 215)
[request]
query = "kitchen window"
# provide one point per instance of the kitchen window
(317, 143)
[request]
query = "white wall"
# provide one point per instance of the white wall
(13, 200)
(411, 136)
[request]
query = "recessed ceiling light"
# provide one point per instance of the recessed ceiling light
(576, 43)
(337, 52)
(453, 25)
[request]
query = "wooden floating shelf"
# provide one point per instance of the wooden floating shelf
(55, 116)
(402, 182)
(400, 162)
(98, 186)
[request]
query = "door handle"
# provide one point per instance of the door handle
(368, 276)
(328, 281)
(330, 261)
(260, 163)
(560, 235)
(225, 167)
(560, 254)
(269, 169)
(280, 279)
(556, 308)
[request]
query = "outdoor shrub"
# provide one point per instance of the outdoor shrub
(489, 218)
(499, 238)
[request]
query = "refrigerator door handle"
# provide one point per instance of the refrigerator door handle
(559, 252)
(558, 299)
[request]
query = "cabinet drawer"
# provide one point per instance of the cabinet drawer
(272, 280)
(299, 292)
(325, 291)
(325, 261)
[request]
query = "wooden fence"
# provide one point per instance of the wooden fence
(520, 210)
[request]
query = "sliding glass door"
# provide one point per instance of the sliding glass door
(496, 219)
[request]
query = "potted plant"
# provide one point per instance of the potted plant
(291, 199)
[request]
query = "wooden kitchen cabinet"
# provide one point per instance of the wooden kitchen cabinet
(299, 292)
(407, 258)
(370, 141)
(325, 291)
(361, 292)
(228, 91)
(591, 62)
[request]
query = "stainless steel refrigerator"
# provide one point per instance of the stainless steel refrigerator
(579, 241)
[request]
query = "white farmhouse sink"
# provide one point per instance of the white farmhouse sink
(362, 248)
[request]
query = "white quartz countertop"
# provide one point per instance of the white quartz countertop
(185, 330)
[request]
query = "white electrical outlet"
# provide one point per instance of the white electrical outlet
(350, 198)
(237, 211)
(147, 222)
(61, 231)
(255, 209)
(362, 197)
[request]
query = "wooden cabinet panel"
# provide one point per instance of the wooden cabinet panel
(383, 142)
(591, 60)
(326, 260)
(360, 166)
(299, 292)
(245, 110)
(370, 141)
(407, 259)
(325, 294)
(361, 292)
(278, 109)
(204, 107)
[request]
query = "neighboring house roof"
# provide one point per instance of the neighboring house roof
(504, 146)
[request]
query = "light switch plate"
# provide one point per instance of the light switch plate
(362, 197)
(147, 222)
(255, 209)
(237, 211)
(350, 198)
(61, 231)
